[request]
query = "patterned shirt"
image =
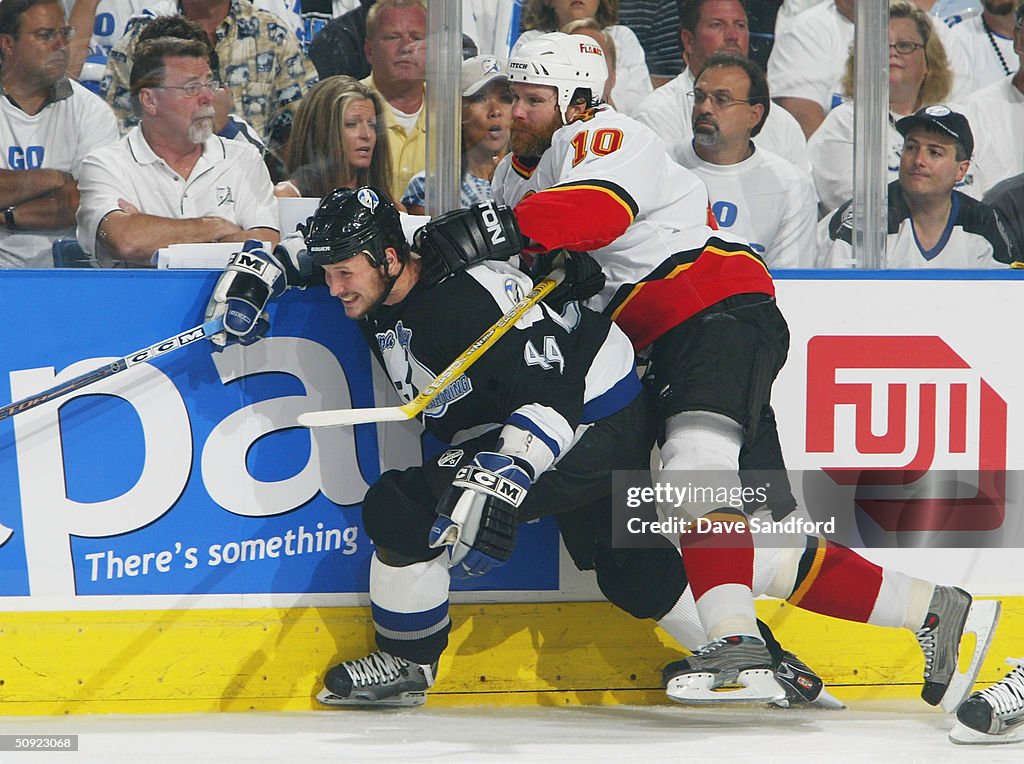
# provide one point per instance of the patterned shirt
(261, 63)
(472, 190)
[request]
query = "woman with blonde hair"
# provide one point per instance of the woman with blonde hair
(632, 80)
(919, 75)
(337, 140)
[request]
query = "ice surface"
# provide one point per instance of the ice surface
(889, 730)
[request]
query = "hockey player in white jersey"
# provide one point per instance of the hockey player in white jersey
(699, 306)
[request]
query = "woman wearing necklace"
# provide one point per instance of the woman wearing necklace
(988, 41)
(486, 122)
(919, 75)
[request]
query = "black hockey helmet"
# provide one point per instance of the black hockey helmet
(349, 222)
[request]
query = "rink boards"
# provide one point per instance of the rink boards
(169, 540)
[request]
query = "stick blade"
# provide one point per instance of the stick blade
(349, 417)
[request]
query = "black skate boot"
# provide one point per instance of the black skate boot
(995, 714)
(379, 679)
(803, 687)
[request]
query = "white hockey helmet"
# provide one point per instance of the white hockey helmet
(566, 61)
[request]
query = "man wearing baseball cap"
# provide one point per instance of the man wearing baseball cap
(931, 225)
(486, 121)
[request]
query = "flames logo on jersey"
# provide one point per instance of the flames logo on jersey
(907, 421)
(409, 376)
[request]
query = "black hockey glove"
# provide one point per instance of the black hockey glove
(477, 515)
(458, 239)
(583, 279)
(250, 280)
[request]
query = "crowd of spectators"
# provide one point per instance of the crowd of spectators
(242, 101)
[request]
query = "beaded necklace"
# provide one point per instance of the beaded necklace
(995, 47)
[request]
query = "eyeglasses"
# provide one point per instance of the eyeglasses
(49, 35)
(192, 89)
(719, 99)
(905, 47)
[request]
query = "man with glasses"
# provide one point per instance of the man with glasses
(171, 180)
(754, 193)
(262, 62)
(48, 124)
(708, 27)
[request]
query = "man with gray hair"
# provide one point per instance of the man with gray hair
(170, 180)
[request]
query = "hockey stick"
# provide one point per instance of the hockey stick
(342, 417)
(181, 339)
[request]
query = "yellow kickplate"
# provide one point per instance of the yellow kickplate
(522, 654)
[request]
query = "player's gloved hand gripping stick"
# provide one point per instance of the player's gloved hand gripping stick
(477, 515)
(234, 312)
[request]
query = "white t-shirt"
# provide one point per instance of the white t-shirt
(668, 111)
(809, 57)
(632, 80)
(229, 181)
(57, 138)
(764, 200)
(996, 114)
(980, 45)
(973, 238)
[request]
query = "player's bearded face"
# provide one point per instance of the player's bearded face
(531, 139)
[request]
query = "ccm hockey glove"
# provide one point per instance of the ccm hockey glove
(477, 515)
(250, 280)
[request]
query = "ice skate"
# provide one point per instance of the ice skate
(804, 688)
(735, 660)
(994, 715)
(379, 679)
(952, 613)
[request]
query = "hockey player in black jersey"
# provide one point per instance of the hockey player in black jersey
(535, 428)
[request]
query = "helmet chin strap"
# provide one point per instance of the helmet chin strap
(389, 283)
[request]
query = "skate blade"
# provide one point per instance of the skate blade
(825, 700)
(961, 734)
(756, 686)
(402, 700)
(981, 621)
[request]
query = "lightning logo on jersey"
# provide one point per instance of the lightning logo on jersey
(409, 376)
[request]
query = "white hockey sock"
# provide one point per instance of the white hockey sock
(902, 601)
(728, 610)
(683, 624)
(411, 602)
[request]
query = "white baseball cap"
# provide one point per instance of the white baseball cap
(480, 71)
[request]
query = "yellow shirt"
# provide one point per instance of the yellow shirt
(408, 149)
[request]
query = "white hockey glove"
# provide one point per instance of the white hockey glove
(477, 515)
(250, 280)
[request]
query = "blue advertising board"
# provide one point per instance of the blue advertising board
(188, 475)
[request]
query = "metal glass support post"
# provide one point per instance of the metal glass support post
(870, 121)
(444, 105)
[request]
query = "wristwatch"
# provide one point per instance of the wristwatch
(9, 218)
